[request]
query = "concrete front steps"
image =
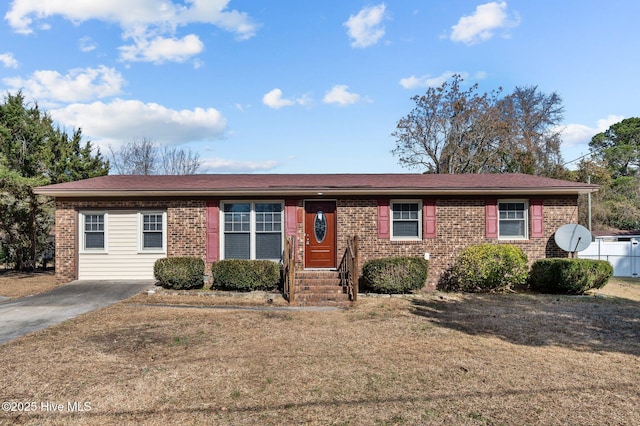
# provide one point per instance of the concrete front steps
(320, 288)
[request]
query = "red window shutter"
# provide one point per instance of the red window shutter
(213, 231)
(290, 217)
(384, 220)
(537, 218)
(491, 218)
(429, 219)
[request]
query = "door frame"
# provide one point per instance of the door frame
(335, 227)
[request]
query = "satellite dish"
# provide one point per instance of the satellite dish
(573, 237)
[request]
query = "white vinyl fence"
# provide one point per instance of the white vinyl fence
(624, 256)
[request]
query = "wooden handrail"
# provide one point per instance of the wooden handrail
(349, 268)
(289, 268)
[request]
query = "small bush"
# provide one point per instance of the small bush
(484, 268)
(395, 275)
(245, 275)
(179, 273)
(569, 276)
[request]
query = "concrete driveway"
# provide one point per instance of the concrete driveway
(32, 313)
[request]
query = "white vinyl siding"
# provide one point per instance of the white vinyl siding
(123, 258)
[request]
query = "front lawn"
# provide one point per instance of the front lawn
(19, 284)
(429, 359)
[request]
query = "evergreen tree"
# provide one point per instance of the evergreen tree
(34, 152)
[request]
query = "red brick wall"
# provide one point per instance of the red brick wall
(460, 221)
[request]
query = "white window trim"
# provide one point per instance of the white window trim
(82, 215)
(252, 224)
(526, 219)
(141, 248)
(405, 201)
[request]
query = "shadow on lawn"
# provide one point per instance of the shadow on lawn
(581, 323)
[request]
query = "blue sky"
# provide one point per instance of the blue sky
(308, 86)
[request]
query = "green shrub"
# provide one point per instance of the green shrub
(486, 268)
(245, 275)
(569, 276)
(394, 275)
(179, 273)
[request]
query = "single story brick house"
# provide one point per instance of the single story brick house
(115, 227)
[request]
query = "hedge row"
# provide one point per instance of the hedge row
(395, 274)
(494, 268)
(179, 273)
(478, 268)
(486, 268)
(569, 276)
(245, 275)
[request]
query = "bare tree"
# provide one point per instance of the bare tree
(532, 142)
(143, 157)
(138, 157)
(180, 161)
(452, 130)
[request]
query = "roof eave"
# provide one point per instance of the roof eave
(307, 192)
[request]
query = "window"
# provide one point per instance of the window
(406, 220)
(513, 220)
(252, 230)
(152, 226)
(93, 231)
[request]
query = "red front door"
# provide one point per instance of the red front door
(320, 234)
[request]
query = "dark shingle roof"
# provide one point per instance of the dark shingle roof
(312, 184)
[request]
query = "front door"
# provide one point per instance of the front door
(320, 234)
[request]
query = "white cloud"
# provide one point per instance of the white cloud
(160, 49)
(120, 121)
(427, 80)
(365, 28)
(481, 25)
(8, 61)
(81, 84)
(150, 23)
(87, 45)
(574, 135)
(340, 95)
(274, 99)
(221, 165)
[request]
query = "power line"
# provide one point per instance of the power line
(579, 158)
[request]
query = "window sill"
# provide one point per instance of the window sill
(408, 242)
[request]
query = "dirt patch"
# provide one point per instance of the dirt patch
(432, 359)
(162, 296)
(19, 284)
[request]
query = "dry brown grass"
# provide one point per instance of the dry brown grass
(433, 359)
(625, 288)
(20, 284)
